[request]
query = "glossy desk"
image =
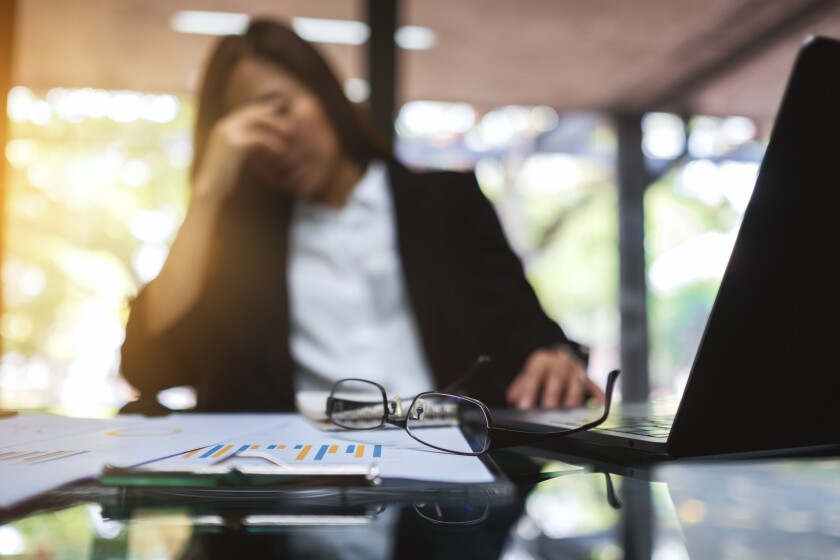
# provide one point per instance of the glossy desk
(560, 506)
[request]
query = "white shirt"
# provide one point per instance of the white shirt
(349, 310)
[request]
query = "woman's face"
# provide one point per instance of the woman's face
(314, 152)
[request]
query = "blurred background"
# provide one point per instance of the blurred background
(618, 140)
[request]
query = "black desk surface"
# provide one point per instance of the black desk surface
(563, 507)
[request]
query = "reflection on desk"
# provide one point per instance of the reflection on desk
(738, 509)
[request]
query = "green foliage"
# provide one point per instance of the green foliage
(76, 186)
(676, 324)
(69, 527)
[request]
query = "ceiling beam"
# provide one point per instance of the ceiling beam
(675, 97)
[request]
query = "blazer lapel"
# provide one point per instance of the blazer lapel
(412, 220)
(417, 226)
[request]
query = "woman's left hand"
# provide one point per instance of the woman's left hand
(552, 377)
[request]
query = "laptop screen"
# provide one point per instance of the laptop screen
(767, 372)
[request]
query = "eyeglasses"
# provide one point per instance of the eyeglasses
(446, 422)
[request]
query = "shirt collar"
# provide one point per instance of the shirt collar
(369, 194)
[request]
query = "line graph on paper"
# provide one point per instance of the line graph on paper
(16, 457)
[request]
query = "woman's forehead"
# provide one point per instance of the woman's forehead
(254, 79)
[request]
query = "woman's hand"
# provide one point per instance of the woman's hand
(258, 129)
(552, 378)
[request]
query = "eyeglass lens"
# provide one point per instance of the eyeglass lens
(433, 415)
(357, 405)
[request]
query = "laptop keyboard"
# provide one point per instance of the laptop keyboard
(652, 426)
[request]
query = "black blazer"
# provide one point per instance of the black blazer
(466, 286)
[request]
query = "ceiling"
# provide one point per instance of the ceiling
(720, 57)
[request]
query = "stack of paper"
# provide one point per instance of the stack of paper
(42, 452)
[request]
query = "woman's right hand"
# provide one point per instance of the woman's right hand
(260, 128)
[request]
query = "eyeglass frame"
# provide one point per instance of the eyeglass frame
(505, 437)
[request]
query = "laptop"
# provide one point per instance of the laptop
(766, 376)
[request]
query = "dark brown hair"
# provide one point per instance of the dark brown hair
(277, 43)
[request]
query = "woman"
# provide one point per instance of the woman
(308, 254)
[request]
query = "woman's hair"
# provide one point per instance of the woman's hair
(277, 43)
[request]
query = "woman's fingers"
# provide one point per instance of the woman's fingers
(258, 128)
(552, 378)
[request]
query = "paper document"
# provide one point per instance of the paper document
(300, 443)
(42, 452)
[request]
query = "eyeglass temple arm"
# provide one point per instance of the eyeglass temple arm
(501, 438)
(477, 366)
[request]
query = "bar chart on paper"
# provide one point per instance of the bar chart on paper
(293, 452)
(300, 443)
